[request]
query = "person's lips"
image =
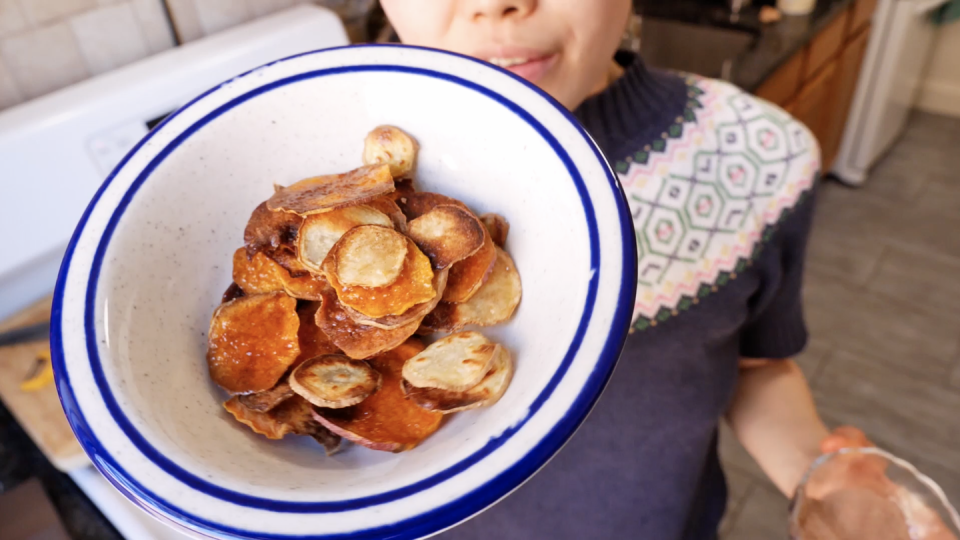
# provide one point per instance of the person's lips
(530, 64)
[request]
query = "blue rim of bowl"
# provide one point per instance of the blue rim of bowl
(416, 526)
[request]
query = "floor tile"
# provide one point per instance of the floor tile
(915, 341)
(941, 197)
(739, 485)
(920, 278)
(909, 417)
(763, 516)
(844, 253)
(813, 358)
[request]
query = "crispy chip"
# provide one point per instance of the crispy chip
(306, 287)
(369, 256)
(413, 286)
(456, 363)
(402, 188)
(497, 226)
(393, 147)
(259, 274)
(447, 234)
(416, 313)
(493, 304)
(388, 206)
(386, 420)
(334, 381)
(490, 389)
(252, 342)
(270, 231)
(468, 275)
(419, 203)
(294, 416)
(232, 293)
(319, 232)
(313, 342)
(357, 340)
(268, 399)
(325, 193)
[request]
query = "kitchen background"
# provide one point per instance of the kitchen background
(881, 290)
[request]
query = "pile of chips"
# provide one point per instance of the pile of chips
(338, 274)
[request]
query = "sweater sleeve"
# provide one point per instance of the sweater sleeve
(776, 327)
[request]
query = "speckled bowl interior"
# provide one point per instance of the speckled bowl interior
(152, 257)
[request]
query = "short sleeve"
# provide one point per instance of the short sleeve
(776, 327)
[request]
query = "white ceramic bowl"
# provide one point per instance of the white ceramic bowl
(151, 257)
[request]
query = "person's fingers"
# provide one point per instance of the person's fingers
(844, 437)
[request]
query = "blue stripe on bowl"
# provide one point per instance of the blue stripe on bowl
(428, 522)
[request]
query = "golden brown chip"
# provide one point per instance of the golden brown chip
(357, 340)
(305, 287)
(258, 274)
(413, 286)
(319, 232)
(270, 231)
(293, 416)
(232, 293)
(391, 146)
(266, 400)
(388, 206)
(386, 420)
(493, 304)
(468, 275)
(447, 234)
(497, 226)
(313, 342)
(402, 188)
(419, 203)
(456, 363)
(369, 256)
(252, 342)
(416, 313)
(324, 193)
(334, 381)
(490, 389)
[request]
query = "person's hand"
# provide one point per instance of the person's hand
(848, 471)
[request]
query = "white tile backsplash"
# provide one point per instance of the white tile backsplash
(11, 18)
(216, 15)
(40, 12)
(109, 37)
(259, 8)
(154, 24)
(43, 59)
(9, 95)
(186, 19)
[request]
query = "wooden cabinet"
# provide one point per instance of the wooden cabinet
(848, 74)
(817, 84)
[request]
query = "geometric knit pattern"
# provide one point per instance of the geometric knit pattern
(707, 193)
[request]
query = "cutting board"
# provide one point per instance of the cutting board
(38, 413)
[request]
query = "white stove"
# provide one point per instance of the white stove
(56, 151)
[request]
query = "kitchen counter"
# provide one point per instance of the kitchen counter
(776, 43)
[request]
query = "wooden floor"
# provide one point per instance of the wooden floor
(882, 299)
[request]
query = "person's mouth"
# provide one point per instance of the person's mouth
(531, 65)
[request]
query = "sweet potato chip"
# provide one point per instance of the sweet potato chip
(490, 389)
(313, 342)
(270, 231)
(413, 286)
(419, 203)
(388, 206)
(456, 363)
(369, 256)
(391, 146)
(324, 193)
(493, 304)
(266, 400)
(416, 313)
(319, 232)
(334, 381)
(357, 340)
(305, 287)
(497, 226)
(232, 293)
(386, 420)
(293, 416)
(468, 275)
(252, 342)
(257, 274)
(447, 234)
